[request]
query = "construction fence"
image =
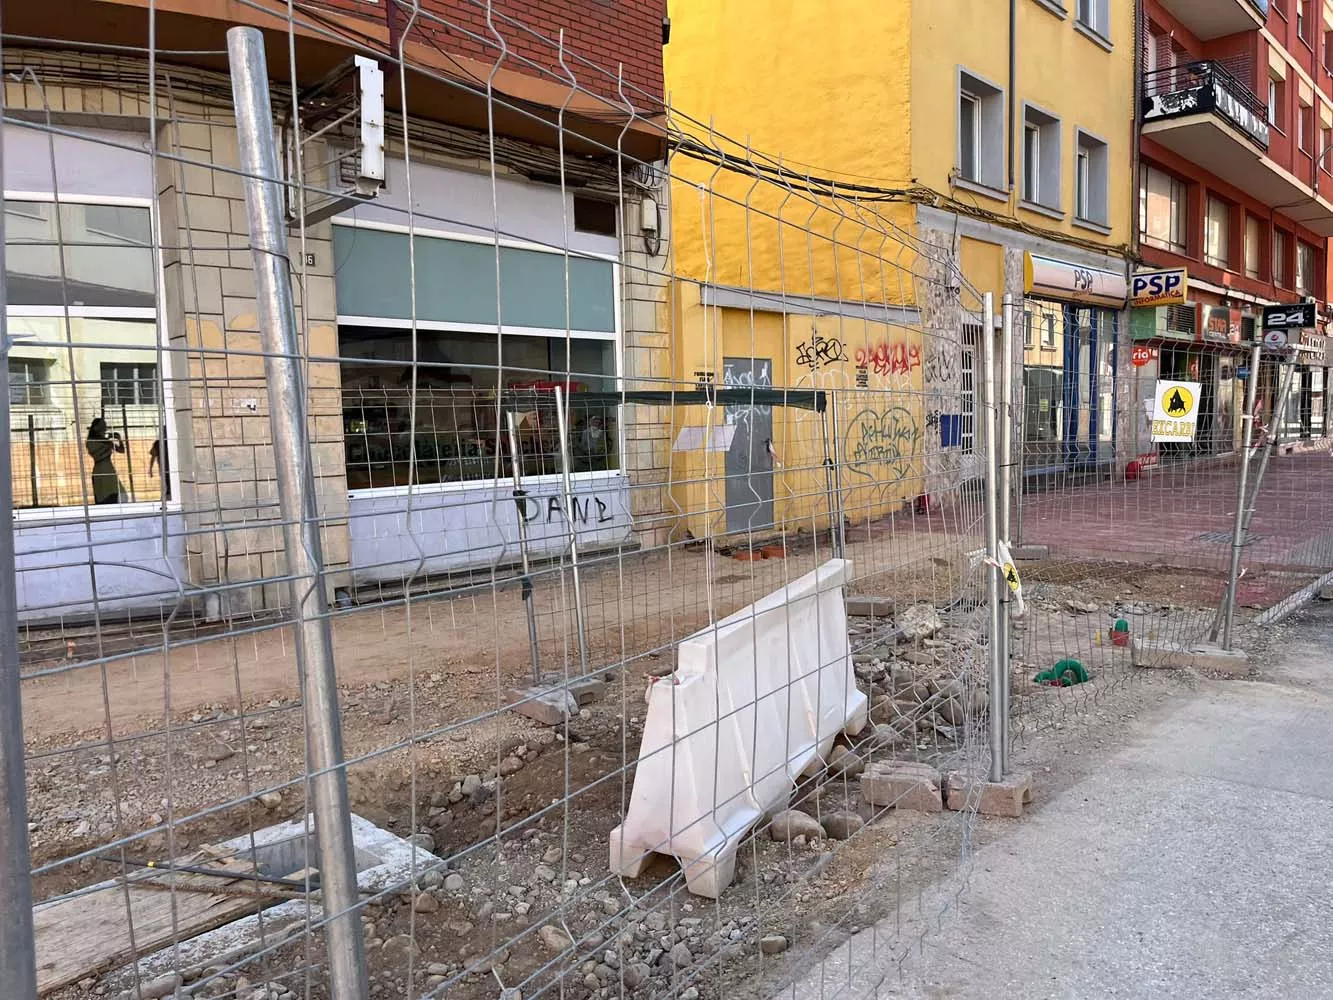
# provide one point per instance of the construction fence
(591, 585)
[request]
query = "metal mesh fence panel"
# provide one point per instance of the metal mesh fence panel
(386, 489)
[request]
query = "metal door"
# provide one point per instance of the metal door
(749, 465)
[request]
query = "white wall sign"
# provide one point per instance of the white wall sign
(1175, 411)
(1058, 279)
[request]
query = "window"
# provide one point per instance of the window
(1093, 15)
(454, 435)
(1028, 341)
(1328, 48)
(128, 384)
(593, 215)
(1041, 158)
(1090, 166)
(1302, 25)
(1305, 268)
(1253, 236)
(1217, 233)
(29, 382)
(1281, 274)
(967, 401)
(981, 126)
(1163, 210)
(1325, 146)
(97, 262)
(1305, 128)
(1277, 94)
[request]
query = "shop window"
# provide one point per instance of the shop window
(981, 128)
(1217, 233)
(82, 310)
(1041, 158)
(461, 380)
(1253, 246)
(1163, 210)
(1305, 268)
(1281, 270)
(1091, 179)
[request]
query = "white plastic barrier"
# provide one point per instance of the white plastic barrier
(756, 701)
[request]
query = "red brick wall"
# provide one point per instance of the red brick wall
(600, 35)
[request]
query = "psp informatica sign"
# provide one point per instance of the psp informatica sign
(1159, 288)
(1175, 415)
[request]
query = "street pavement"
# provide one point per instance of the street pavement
(1197, 863)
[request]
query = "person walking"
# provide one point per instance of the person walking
(101, 446)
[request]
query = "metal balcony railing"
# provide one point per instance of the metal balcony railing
(1201, 88)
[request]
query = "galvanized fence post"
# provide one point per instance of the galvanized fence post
(18, 961)
(994, 648)
(296, 498)
(1006, 504)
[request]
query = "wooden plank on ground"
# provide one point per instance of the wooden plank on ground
(89, 934)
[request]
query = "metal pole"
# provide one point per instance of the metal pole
(521, 507)
(834, 505)
(1006, 484)
(313, 638)
(32, 451)
(18, 958)
(562, 422)
(129, 458)
(1238, 530)
(840, 516)
(993, 588)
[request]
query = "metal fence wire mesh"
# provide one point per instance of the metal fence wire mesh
(386, 491)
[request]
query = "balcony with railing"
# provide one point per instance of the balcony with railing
(1209, 19)
(1204, 114)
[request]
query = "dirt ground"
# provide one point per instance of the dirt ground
(424, 693)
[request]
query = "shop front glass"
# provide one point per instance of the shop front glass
(1069, 387)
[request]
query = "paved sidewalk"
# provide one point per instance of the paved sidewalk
(1196, 864)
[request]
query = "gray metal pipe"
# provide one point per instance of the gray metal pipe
(521, 510)
(1006, 503)
(1242, 493)
(993, 648)
(18, 959)
(296, 497)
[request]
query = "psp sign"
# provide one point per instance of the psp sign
(1159, 288)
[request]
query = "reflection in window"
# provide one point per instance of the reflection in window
(458, 430)
(65, 382)
(108, 258)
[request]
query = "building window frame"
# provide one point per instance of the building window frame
(1091, 181)
(1092, 19)
(1042, 180)
(1307, 263)
(1281, 247)
(1217, 233)
(983, 126)
(615, 338)
(156, 314)
(1177, 238)
(1254, 247)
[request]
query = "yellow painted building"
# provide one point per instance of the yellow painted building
(850, 179)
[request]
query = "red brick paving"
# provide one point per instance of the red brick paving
(1182, 515)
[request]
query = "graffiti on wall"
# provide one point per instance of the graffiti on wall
(587, 509)
(746, 413)
(887, 358)
(880, 442)
(942, 364)
(820, 351)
